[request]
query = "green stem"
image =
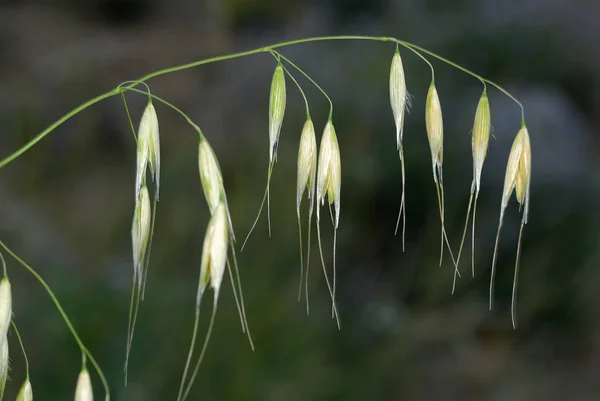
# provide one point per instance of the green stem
(22, 349)
(287, 60)
(63, 315)
(3, 266)
(298, 85)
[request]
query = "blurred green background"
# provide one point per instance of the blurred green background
(66, 206)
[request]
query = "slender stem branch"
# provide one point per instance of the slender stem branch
(3, 265)
(297, 84)
(22, 349)
(287, 60)
(63, 315)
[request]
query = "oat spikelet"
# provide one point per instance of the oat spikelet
(212, 269)
(400, 102)
(329, 182)
(481, 135)
(434, 125)
(214, 191)
(148, 150)
(277, 101)
(517, 178)
(83, 391)
(306, 180)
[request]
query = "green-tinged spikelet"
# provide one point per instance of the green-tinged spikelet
(307, 164)
(3, 365)
(517, 178)
(140, 233)
(83, 391)
(435, 129)
(306, 180)
(276, 110)
(329, 172)
(5, 307)
(26, 393)
(148, 149)
(400, 102)
(214, 253)
(212, 179)
(481, 136)
(398, 95)
(329, 182)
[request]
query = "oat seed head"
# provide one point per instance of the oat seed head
(276, 110)
(481, 136)
(214, 252)
(435, 128)
(148, 149)
(83, 391)
(518, 172)
(329, 171)
(26, 392)
(307, 163)
(398, 95)
(5, 307)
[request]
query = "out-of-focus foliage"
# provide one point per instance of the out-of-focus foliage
(66, 205)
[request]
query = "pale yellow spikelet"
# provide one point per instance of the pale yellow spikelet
(518, 178)
(83, 391)
(277, 101)
(307, 164)
(329, 171)
(26, 392)
(211, 179)
(5, 306)
(148, 149)
(434, 125)
(3, 365)
(481, 136)
(214, 253)
(140, 233)
(398, 95)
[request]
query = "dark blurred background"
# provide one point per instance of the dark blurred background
(66, 205)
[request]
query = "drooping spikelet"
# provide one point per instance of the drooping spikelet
(481, 135)
(435, 129)
(434, 125)
(5, 307)
(212, 179)
(83, 391)
(214, 253)
(329, 172)
(148, 149)
(329, 182)
(517, 178)
(307, 164)
(398, 95)
(276, 110)
(306, 180)
(26, 392)
(400, 102)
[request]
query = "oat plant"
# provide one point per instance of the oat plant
(319, 175)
